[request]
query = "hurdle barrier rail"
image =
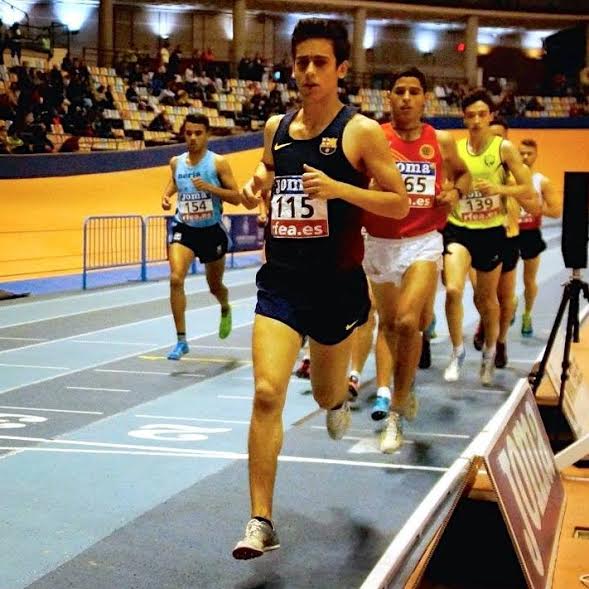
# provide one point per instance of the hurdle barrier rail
(115, 241)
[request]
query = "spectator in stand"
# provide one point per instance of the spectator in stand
(506, 106)
(9, 143)
(579, 108)
(257, 68)
(161, 123)
(5, 148)
(174, 63)
(143, 57)
(3, 35)
(183, 99)
(66, 62)
(39, 142)
(164, 54)
(244, 68)
(110, 99)
(275, 104)
(75, 91)
(208, 56)
(83, 71)
(131, 93)
(208, 61)
(534, 104)
(168, 95)
(99, 97)
(70, 145)
(15, 43)
(198, 64)
(158, 81)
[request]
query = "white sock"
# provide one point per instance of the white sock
(355, 374)
(306, 357)
(458, 350)
(384, 392)
(488, 352)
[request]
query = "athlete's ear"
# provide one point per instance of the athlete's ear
(342, 69)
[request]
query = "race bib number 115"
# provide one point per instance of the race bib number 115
(295, 214)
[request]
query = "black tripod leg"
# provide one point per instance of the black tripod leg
(539, 374)
(572, 328)
(575, 294)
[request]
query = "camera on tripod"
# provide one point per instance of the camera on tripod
(575, 235)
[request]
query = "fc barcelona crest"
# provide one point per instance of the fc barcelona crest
(328, 145)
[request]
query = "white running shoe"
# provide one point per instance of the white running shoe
(452, 372)
(487, 370)
(391, 438)
(338, 421)
(259, 538)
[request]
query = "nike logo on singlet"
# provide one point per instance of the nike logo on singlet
(350, 325)
(281, 145)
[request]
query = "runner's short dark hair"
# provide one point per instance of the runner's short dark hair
(322, 28)
(477, 95)
(530, 143)
(410, 72)
(197, 119)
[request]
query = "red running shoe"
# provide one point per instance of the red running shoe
(304, 369)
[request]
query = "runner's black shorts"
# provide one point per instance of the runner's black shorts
(510, 254)
(327, 307)
(485, 246)
(209, 244)
(531, 244)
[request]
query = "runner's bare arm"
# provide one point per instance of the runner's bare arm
(366, 148)
(263, 175)
(228, 191)
(551, 200)
(171, 188)
(455, 170)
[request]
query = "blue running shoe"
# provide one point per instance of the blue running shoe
(380, 409)
(178, 351)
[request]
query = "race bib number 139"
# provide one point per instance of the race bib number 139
(295, 214)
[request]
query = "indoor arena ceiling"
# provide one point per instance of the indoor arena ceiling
(392, 13)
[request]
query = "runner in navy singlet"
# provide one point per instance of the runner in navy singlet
(318, 162)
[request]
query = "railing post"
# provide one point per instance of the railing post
(143, 251)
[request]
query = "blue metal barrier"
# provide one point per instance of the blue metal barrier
(128, 240)
(244, 232)
(157, 228)
(113, 241)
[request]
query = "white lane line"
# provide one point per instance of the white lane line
(236, 303)
(239, 397)
(408, 432)
(453, 390)
(113, 371)
(233, 422)
(52, 410)
(108, 294)
(240, 348)
(25, 339)
(365, 439)
(110, 343)
(509, 359)
(248, 378)
(99, 389)
(167, 451)
(109, 361)
(33, 366)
